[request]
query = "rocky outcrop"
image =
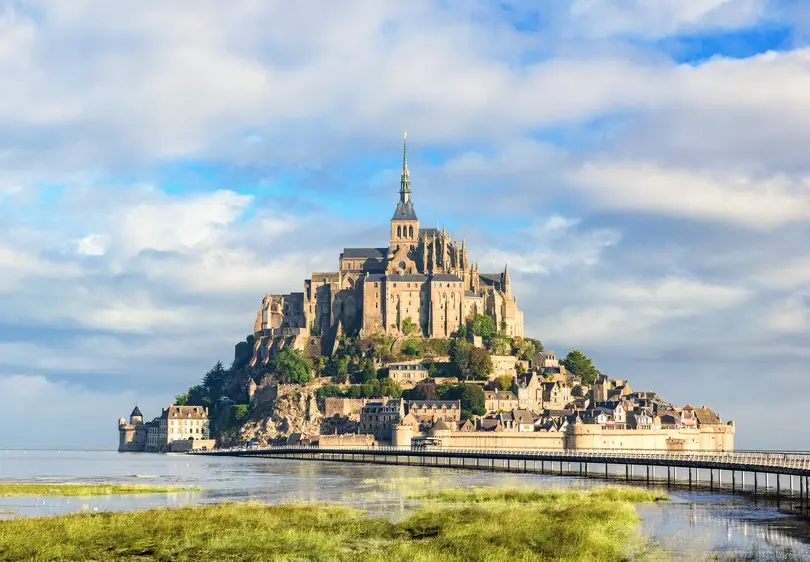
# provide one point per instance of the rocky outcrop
(281, 411)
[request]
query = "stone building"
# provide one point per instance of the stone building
(379, 417)
(422, 282)
(432, 411)
(178, 428)
(407, 374)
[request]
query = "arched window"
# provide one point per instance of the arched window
(399, 232)
(410, 232)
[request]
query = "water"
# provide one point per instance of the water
(691, 525)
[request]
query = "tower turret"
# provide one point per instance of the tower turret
(507, 281)
(404, 223)
(136, 417)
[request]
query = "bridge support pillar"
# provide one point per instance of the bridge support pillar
(711, 480)
(606, 471)
(720, 478)
(778, 489)
(669, 477)
(627, 472)
(791, 486)
(690, 477)
(755, 483)
(767, 484)
(733, 481)
(586, 469)
(648, 475)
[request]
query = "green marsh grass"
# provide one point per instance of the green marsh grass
(43, 489)
(507, 525)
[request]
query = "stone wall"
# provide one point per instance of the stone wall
(347, 441)
(592, 436)
(344, 407)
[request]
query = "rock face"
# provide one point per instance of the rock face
(278, 412)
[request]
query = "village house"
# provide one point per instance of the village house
(556, 395)
(500, 401)
(378, 417)
(431, 411)
(407, 374)
(529, 390)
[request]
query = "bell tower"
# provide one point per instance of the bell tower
(404, 224)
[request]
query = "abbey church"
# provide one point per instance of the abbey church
(422, 282)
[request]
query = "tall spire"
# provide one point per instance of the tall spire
(507, 281)
(405, 178)
(404, 210)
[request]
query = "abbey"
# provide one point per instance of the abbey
(423, 282)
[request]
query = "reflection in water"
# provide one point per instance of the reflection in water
(691, 524)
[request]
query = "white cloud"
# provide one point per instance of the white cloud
(660, 18)
(754, 202)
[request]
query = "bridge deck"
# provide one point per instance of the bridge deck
(794, 463)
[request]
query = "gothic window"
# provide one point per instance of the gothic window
(410, 231)
(399, 231)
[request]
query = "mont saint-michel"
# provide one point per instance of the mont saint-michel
(422, 279)
(410, 344)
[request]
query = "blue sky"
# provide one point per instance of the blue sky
(640, 165)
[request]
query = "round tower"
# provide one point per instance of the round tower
(126, 435)
(136, 417)
(403, 433)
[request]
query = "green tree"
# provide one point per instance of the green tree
(240, 412)
(408, 326)
(368, 372)
(471, 362)
(329, 390)
(480, 325)
(412, 348)
(292, 367)
(504, 382)
(470, 395)
(581, 365)
(500, 345)
(425, 390)
(215, 381)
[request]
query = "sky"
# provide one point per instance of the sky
(640, 164)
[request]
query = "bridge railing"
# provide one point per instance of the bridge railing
(798, 460)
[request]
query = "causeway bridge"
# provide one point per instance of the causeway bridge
(777, 474)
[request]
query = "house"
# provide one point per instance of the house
(524, 420)
(407, 374)
(431, 411)
(640, 419)
(556, 394)
(546, 360)
(500, 400)
(378, 417)
(615, 410)
(705, 416)
(529, 390)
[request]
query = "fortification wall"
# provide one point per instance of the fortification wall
(587, 436)
(344, 407)
(347, 441)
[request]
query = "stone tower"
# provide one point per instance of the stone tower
(136, 417)
(404, 224)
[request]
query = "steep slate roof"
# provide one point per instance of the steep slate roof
(425, 232)
(438, 403)
(404, 211)
(136, 412)
(446, 277)
(490, 278)
(407, 277)
(375, 253)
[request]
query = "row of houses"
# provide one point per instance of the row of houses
(178, 428)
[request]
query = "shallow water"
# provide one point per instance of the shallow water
(691, 525)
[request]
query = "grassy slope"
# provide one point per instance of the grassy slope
(514, 526)
(25, 489)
